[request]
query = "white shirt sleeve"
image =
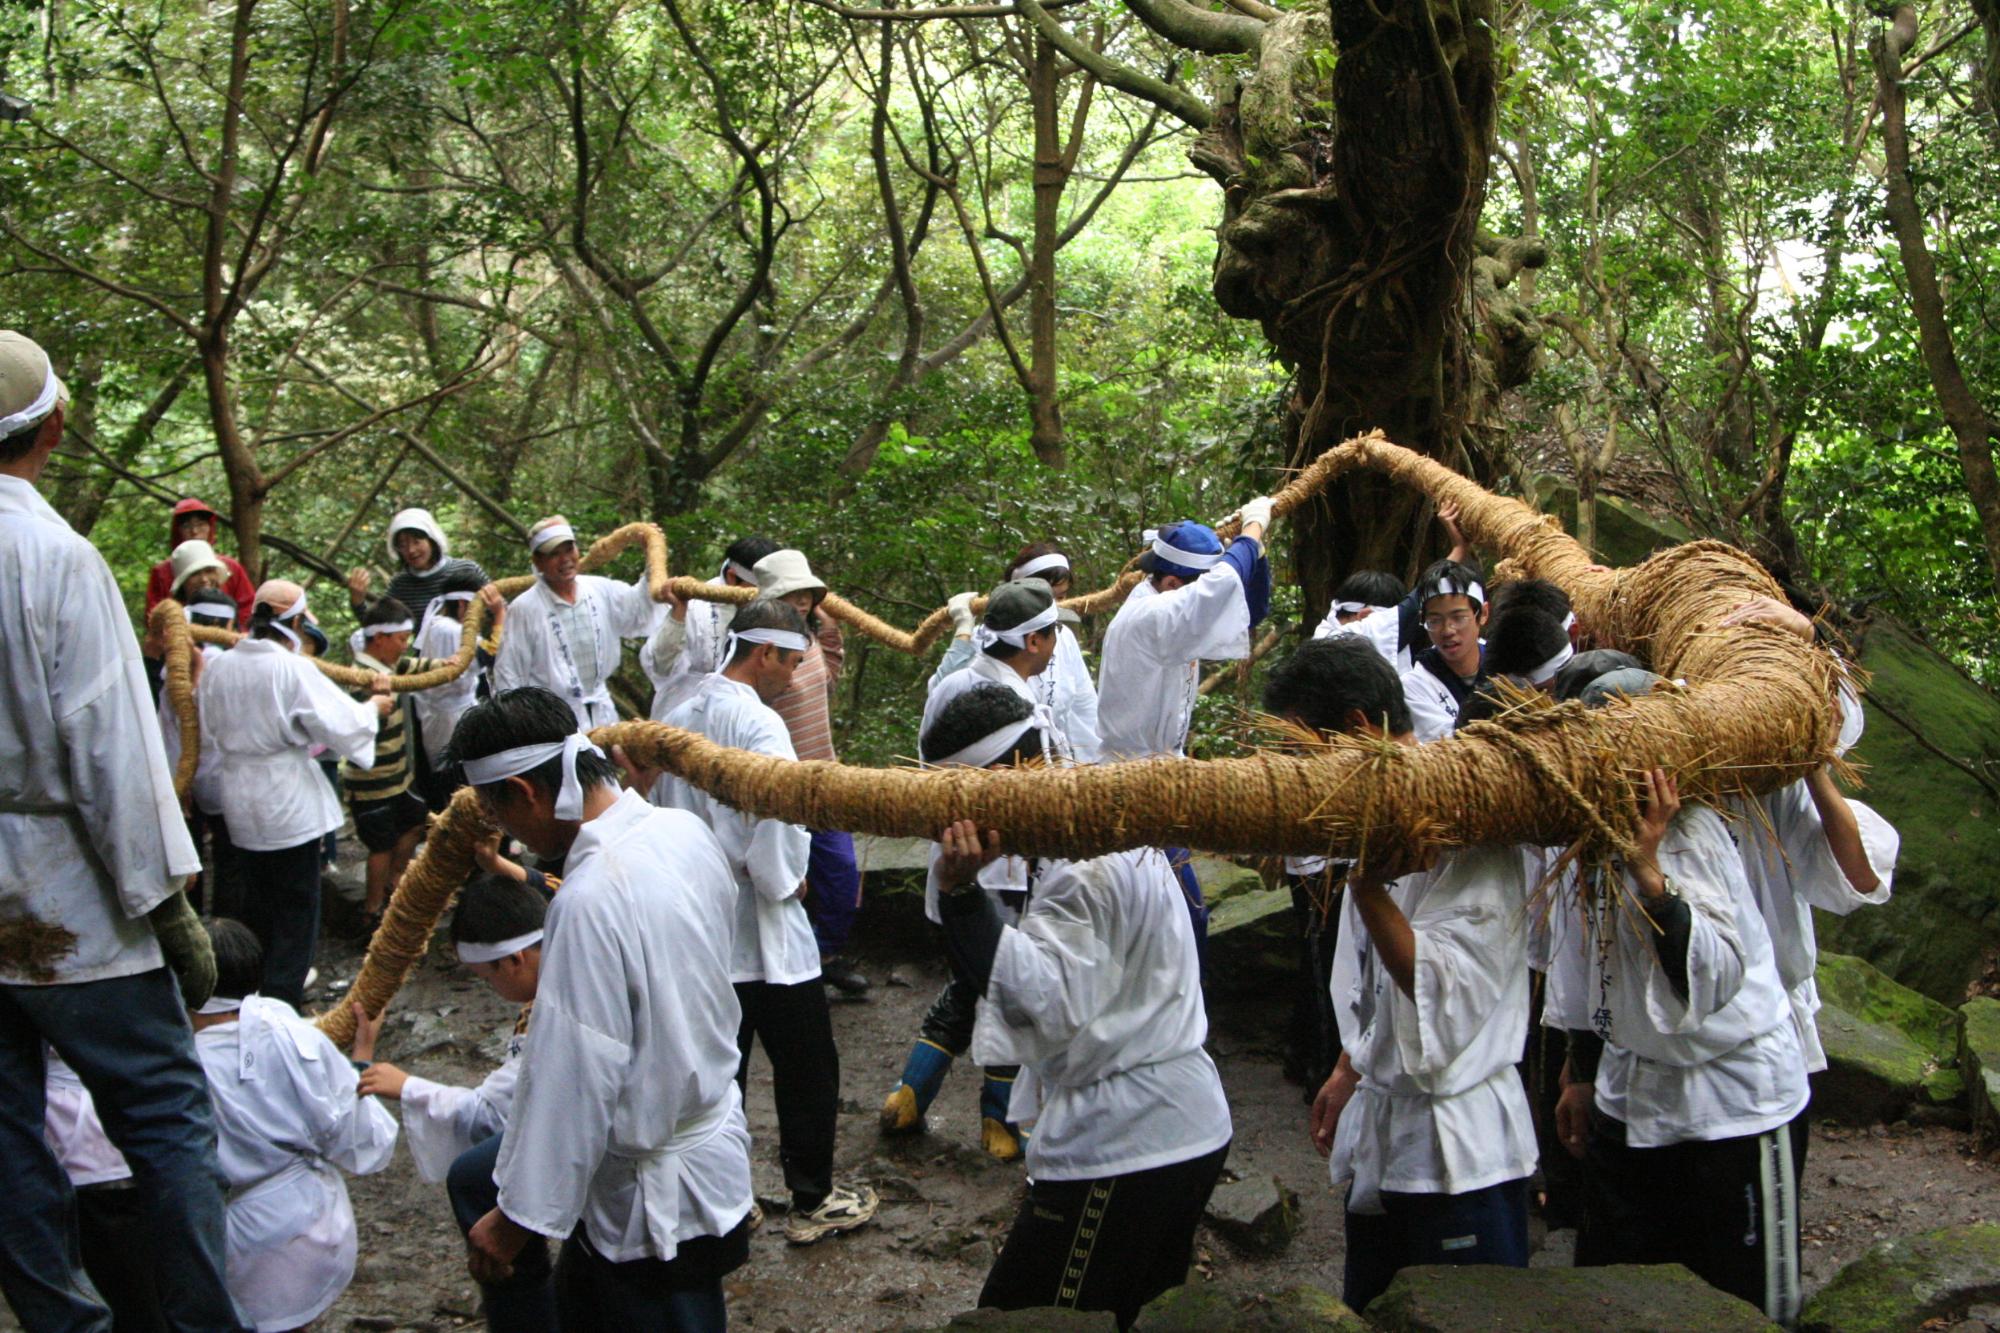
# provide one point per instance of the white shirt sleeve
(442, 1121)
(1053, 973)
(631, 609)
(957, 657)
(1468, 952)
(1705, 869)
(1080, 716)
(334, 718)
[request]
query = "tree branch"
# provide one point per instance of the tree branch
(1177, 101)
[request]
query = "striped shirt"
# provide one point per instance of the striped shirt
(393, 770)
(806, 706)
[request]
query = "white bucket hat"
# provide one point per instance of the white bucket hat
(786, 571)
(190, 558)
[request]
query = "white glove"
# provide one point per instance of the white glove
(1258, 511)
(962, 619)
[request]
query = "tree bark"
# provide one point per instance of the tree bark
(1045, 430)
(1972, 426)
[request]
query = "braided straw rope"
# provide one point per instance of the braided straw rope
(1753, 716)
(360, 678)
(169, 621)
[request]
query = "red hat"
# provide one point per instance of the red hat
(194, 506)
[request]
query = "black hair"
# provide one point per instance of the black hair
(1580, 670)
(21, 443)
(1522, 639)
(747, 551)
(1001, 651)
(383, 611)
(1538, 593)
(1326, 679)
(980, 711)
(239, 958)
(492, 908)
(1371, 587)
(198, 602)
(526, 716)
(1453, 575)
(263, 623)
(1481, 705)
(764, 613)
(461, 576)
(1035, 551)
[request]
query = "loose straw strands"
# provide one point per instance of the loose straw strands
(169, 622)
(421, 898)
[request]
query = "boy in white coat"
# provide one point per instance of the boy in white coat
(288, 1122)
(566, 633)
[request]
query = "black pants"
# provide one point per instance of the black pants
(1312, 1038)
(220, 889)
(949, 1020)
(1111, 1244)
(281, 907)
(1727, 1208)
(115, 1231)
(797, 1031)
(678, 1295)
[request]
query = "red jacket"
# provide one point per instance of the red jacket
(237, 585)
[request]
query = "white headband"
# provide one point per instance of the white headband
(298, 609)
(1349, 608)
(216, 1004)
(436, 608)
(1569, 622)
(990, 746)
(986, 636)
(493, 953)
(1185, 559)
(512, 763)
(553, 535)
(1471, 590)
(1550, 667)
(44, 403)
(393, 627)
(741, 571)
(777, 638)
(1055, 560)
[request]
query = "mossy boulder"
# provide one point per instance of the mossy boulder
(1904, 1283)
(1887, 1047)
(1626, 534)
(1044, 1320)
(1945, 912)
(1200, 1307)
(1633, 1298)
(1979, 1063)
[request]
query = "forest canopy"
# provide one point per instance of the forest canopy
(909, 284)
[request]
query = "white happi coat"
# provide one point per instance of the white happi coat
(439, 708)
(1153, 652)
(774, 936)
(441, 1121)
(964, 669)
(681, 653)
(1439, 1108)
(536, 649)
(1433, 710)
(1096, 994)
(287, 1123)
(1723, 1063)
(1381, 628)
(264, 707)
(91, 833)
(72, 1130)
(1792, 870)
(627, 1115)
(206, 789)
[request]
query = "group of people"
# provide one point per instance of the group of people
(651, 931)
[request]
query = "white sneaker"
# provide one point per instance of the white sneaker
(843, 1210)
(312, 975)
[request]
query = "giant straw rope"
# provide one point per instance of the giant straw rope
(1752, 715)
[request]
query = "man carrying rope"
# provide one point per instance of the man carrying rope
(564, 634)
(91, 919)
(1426, 1121)
(1198, 602)
(626, 1141)
(688, 644)
(1091, 994)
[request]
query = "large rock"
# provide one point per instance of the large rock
(1887, 1047)
(1256, 1214)
(1904, 1283)
(1631, 1298)
(1946, 910)
(1979, 1063)
(1202, 1307)
(1036, 1321)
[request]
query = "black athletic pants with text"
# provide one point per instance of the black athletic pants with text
(1111, 1244)
(1727, 1208)
(797, 1031)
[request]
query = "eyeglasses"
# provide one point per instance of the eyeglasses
(1449, 620)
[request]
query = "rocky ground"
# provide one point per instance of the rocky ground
(946, 1207)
